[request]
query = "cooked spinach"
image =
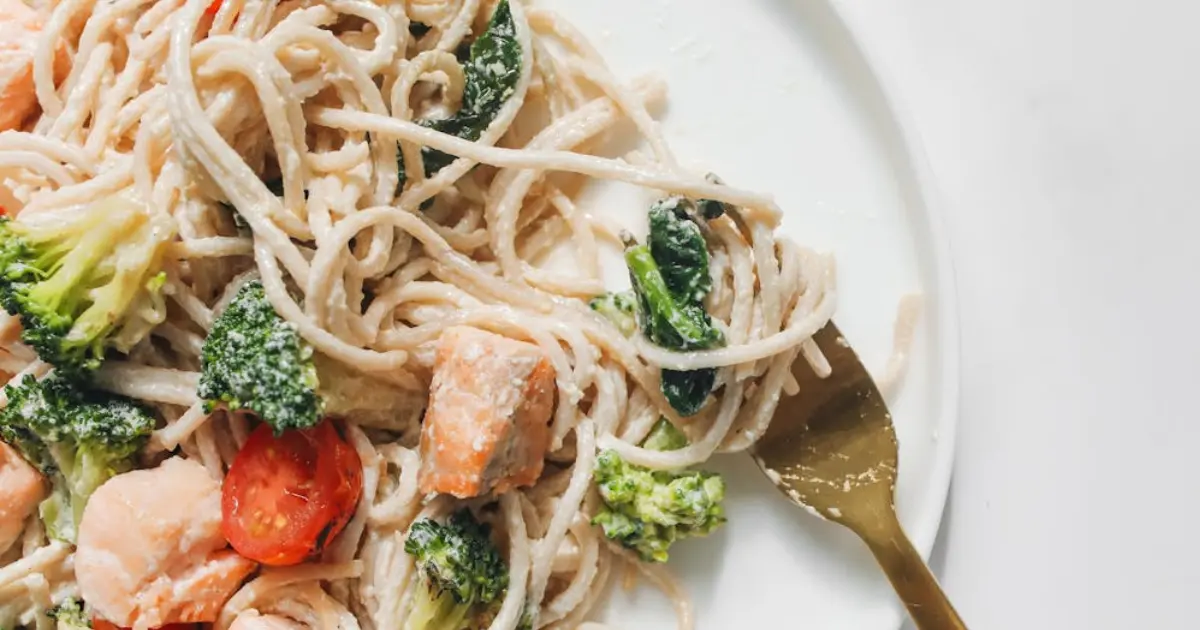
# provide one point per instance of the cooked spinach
(679, 249)
(666, 319)
(711, 208)
(490, 73)
(670, 279)
(418, 30)
(687, 391)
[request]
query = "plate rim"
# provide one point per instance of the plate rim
(948, 332)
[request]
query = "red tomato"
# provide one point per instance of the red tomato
(286, 496)
(214, 7)
(100, 624)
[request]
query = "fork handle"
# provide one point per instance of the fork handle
(910, 576)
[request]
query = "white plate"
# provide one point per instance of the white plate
(776, 95)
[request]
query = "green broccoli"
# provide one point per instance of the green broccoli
(254, 360)
(78, 438)
(70, 615)
(462, 575)
(618, 308)
(648, 510)
(82, 282)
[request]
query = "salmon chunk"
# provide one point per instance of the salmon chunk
(21, 489)
(487, 425)
(19, 29)
(150, 548)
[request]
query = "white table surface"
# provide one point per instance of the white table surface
(1066, 138)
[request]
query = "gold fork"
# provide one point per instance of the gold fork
(832, 449)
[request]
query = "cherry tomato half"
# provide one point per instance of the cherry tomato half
(287, 496)
(100, 624)
(214, 7)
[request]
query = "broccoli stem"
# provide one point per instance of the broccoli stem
(59, 513)
(84, 282)
(433, 611)
(118, 295)
(618, 308)
(462, 575)
(62, 287)
(77, 438)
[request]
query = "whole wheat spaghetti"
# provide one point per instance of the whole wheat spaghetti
(192, 107)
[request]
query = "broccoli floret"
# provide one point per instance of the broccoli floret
(648, 510)
(462, 575)
(256, 361)
(84, 282)
(70, 615)
(77, 438)
(618, 308)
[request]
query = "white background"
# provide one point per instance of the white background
(1065, 136)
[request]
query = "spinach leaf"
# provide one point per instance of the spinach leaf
(493, 69)
(665, 319)
(490, 73)
(418, 30)
(688, 391)
(711, 208)
(670, 279)
(679, 248)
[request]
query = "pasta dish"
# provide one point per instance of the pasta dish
(306, 326)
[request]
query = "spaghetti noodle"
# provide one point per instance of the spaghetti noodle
(190, 106)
